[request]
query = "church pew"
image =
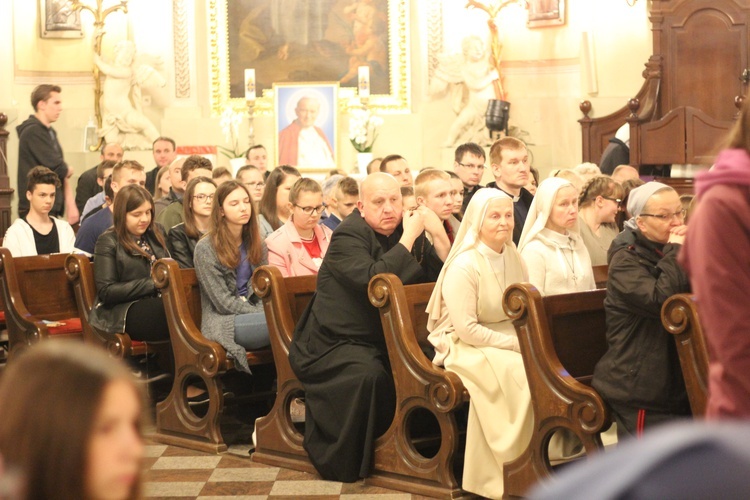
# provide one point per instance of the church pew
(679, 315)
(34, 291)
(562, 337)
(278, 441)
(420, 386)
(80, 273)
(195, 358)
(600, 275)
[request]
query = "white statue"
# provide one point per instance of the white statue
(123, 120)
(469, 78)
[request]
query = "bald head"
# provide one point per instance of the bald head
(624, 172)
(380, 202)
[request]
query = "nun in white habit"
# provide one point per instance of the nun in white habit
(554, 252)
(475, 339)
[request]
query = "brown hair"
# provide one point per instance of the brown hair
(506, 143)
(347, 187)
(220, 172)
(163, 170)
(104, 165)
(251, 148)
(51, 396)
(194, 162)
(268, 201)
(407, 191)
(424, 177)
(384, 163)
(303, 184)
(42, 93)
(471, 148)
(191, 229)
(131, 164)
(244, 169)
(226, 251)
(165, 139)
(41, 175)
(599, 185)
(129, 198)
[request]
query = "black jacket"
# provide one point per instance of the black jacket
(615, 154)
(641, 368)
(181, 246)
(121, 278)
(38, 145)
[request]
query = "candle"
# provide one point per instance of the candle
(250, 85)
(363, 81)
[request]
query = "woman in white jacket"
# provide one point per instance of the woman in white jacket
(554, 253)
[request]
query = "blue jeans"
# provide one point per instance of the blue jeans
(251, 331)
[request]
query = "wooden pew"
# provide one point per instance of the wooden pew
(600, 275)
(80, 273)
(195, 357)
(420, 385)
(679, 315)
(562, 337)
(279, 443)
(34, 290)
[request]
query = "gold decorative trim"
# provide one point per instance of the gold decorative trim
(181, 50)
(434, 36)
(398, 101)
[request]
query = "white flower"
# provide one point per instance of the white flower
(363, 127)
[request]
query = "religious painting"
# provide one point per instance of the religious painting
(58, 19)
(546, 13)
(294, 41)
(306, 123)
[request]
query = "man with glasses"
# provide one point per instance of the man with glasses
(639, 376)
(469, 166)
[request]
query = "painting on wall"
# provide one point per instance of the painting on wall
(292, 41)
(306, 123)
(544, 13)
(58, 19)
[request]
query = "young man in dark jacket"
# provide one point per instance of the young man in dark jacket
(639, 376)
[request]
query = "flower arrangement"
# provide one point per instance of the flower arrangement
(363, 129)
(230, 127)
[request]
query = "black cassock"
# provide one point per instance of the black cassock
(339, 352)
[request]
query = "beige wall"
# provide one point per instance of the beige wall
(546, 75)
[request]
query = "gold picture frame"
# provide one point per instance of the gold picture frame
(398, 100)
(546, 13)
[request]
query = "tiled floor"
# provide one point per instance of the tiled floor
(173, 472)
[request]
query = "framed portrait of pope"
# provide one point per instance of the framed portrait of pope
(306, 125)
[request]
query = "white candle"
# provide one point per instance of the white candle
(363, 81)
(250, 85)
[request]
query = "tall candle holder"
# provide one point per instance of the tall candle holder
(250, 97)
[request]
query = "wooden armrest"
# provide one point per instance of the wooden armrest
(189, 345)
(415, 376)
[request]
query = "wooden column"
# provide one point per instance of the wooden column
(6, 192)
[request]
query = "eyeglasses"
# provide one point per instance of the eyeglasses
(255, 185)
(616, 200)
(311, 210)
(472, 167)
(668, 217)
(204, 197)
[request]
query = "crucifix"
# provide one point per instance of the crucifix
(493, 9)
(100, 14)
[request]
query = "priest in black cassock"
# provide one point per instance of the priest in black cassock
(339, 352)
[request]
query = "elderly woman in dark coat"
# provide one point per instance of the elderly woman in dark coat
(639, 375)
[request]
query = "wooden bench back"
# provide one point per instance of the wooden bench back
(679, 315)
(39, 283)
(192, 295)
(600, 275)
(578, 330)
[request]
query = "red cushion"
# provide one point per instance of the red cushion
(72, 325)
(136, 343)
(2, 316)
